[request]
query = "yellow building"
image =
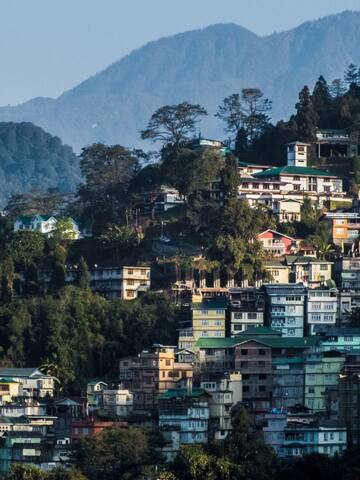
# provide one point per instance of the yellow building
(9, 389)
(344, 226)
(276, 272)
(208, 319)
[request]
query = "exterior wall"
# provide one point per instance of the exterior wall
(276, 243)
(277, 273)
(347, 273)
(288, 382)
(321, 373)
(150, 374)
(285, 309)
(253, 360)
(312, 273)
(349, 405)
(345, 227)
(242, 320)
(189, 417)
(322, 307)
(301, 441)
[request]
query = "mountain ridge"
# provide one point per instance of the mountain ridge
(202, 66)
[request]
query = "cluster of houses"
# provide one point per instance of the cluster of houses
(282, 345)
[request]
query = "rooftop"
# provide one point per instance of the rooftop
(173, 393)
(210, 305)
(286, 170)
(268, 340)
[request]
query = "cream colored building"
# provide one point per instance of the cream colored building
(276, 272)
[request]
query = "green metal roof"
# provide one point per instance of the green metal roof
(285, 361)
(261, 331)
(286, 170)
(11, 420)
(269, 341)
(173, 393)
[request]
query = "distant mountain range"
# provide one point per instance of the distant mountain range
(201, 66)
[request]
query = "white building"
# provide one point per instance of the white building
(322, 306)
(310, 271)
(45, 224)
(34, 382)
(117, 401)
(285, 308)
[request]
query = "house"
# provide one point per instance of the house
(277, 244)
(9, 390)
(347, 272)
(185, 410)
(45, 224)
(117, 401)
(246, 309)
(349, 402)
(285, 308)
(89, 427)
(344, 227)
(336, 143)
(343, 339)
(93, 392)
(275, 271)
(294, 435)
(34, 383)
(208, 320)
(224, 393)
(160, 200)
(322, 304)
(151, 373)
(310, 271)
(322, 371)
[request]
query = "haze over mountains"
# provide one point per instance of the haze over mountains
(201, 66)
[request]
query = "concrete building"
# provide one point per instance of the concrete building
(285, 308)
(298, 435)
(343, 339)
(288, 382)
(349, 402)
(186, 411)
(208, 319)
(117, 401)
(33, 382)
(246, 309)
(347, 273)
(224, 394)
(321, 374)
(151, 373)
(276, 271)
(336, 143)
(322, 305)
(344, 227)
(310, 271)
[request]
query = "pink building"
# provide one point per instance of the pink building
(278, 244)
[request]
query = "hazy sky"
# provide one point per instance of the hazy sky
(48, 46)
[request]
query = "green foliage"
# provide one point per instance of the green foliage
(37, 202)
(25, 247)
(121, 453)
(83, 334)
(31, 158)
(172, 124)
(30, 472)
(119, 240)
(84, 278)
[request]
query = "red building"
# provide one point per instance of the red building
(90, 427)
(278, 244)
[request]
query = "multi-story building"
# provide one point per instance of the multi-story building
(310, 271)
(224, 394)
(344, 227)
(128, 282)
(342, 339)
(321, 374)
(246, 309)
(285, 308)
(276, 271)
(347, 273)
(288, 382)
(336, 143)
(208, 319)
(299, 435)
(322, 304)
(33, 382)
(349, 402)
(187, 411)
(151, 373)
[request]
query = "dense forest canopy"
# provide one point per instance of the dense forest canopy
(30, 159)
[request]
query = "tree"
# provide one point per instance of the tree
(25, 247)
(351, 75)
(121, 453)
(232, 113)
(108, 172)
(64, 230)
(255, 108)
(37, 202)
(337, 88)
(245, 113)
(119, 239)
(323, 103)
(172, 124)
(306, 117)
(84, 277)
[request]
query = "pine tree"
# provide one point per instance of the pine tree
(323, 103)
(306, 117)
(351, 76)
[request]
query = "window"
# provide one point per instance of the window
(204, 322)
(261, 364)
(262, 351)
(204, 312)
(218, 333)
(130, 282)
(256, 186)
(168, 362)
(311, 390)
(130, 294)
(323, 267)
(252, 316)
(219, 312)
(204, 333)
(262, 376)
(217, 322)
(243, 364)
(130, 271)
(262, 388)
(244, 351)
(246, 388)
(348, 339)
(238, 316)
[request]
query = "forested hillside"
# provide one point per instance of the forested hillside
(33, 159)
